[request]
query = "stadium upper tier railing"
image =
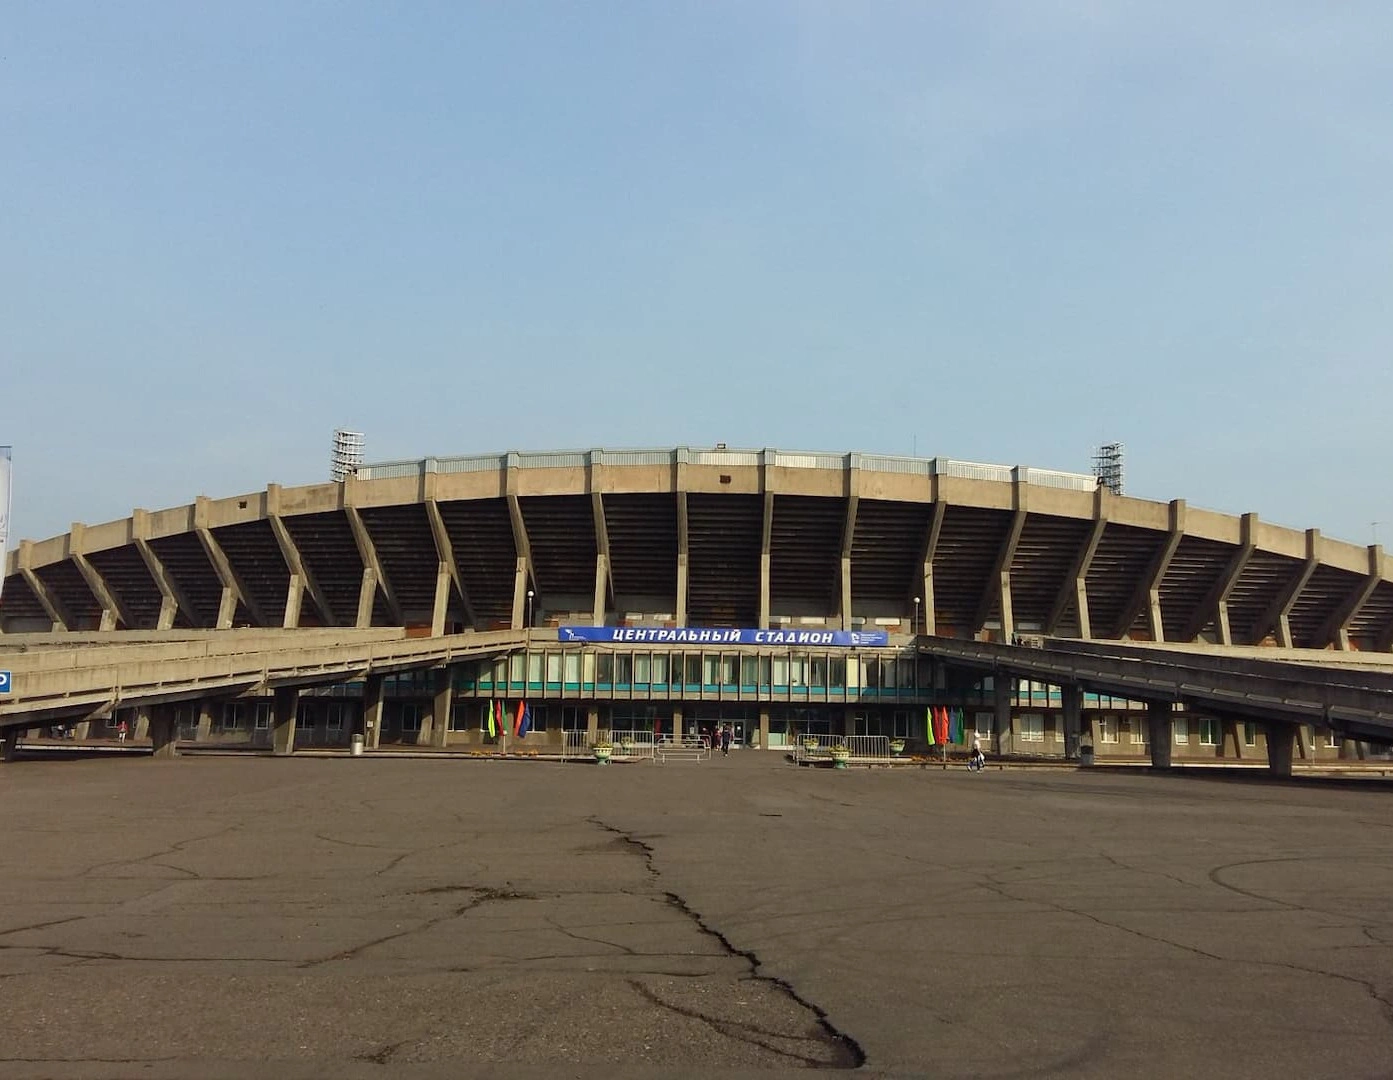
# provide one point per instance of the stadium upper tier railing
(682, 455)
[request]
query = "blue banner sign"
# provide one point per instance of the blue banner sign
(6, 682)
(691, 635)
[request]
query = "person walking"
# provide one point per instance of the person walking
(121, 731)
(978, 758)
(727, 735)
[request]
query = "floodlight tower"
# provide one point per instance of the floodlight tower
(348, 454)
(1107, 467)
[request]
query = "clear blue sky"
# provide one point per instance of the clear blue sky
(996, 231)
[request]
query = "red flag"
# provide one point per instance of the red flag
(517, 721)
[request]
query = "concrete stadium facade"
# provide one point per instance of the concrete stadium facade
(709, 538)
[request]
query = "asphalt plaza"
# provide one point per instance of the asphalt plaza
(346, 917)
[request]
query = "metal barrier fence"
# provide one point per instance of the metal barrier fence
(862, 747)
(628, 745)
(683, 748)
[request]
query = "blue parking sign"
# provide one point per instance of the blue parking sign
(5, 682)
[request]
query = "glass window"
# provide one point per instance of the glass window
(1032, 727)
(570, 663)
(889, 673)
(539, 717)
(534, 667)
(1180, 731)
(836, 672)
(780, 670)
(459, 717)
(587, 666)
(711, 664)
(338, 710)
(623, 668)
(1250, 734)
(1332, 740)
(730, 670)
(749, 670)
(1107, 729)
(516, 664)
(693, 672)
(410, 716)
(642, 668)
(870, 671)
(500, 671)
(1209, 731)
(853, 672)
(553, 667)
(986, 724)
(660, 669)
(1138, 725)
(817, 675)
(604, 667)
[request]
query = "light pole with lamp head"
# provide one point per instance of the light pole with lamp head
(530, 595)
(917, 602)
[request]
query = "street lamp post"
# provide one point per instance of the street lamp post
(917, 602)
(530, 594)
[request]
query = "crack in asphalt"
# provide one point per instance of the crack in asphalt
(1367, 985)
(483, 895)
(845, 1048)
(171, 850)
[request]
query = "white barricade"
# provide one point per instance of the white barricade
(683, 748)
(862, 747)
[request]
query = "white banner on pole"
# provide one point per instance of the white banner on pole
(4, 508)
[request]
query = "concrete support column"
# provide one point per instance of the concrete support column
(845, 592)
(1231, 743)
(764, 591)
(592, 723)
(164, 731)
(141, 727)
(849, 720)
(284, 707)
(1008, 619)
(367, 594)
(440, 707)
(1280, 740)
(372, 712)
(601, 590)
(81, 730)
(681, 590)
(519, 593)
(9, 743)
(1073, 719)
(227, 608)
(677, 729)
(205, 720)
(1158, 733)
(442, 600)
(294, 602)
(1001, 707)
(764, 729)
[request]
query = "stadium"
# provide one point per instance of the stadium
(789, 595)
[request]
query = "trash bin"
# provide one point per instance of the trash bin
(356, 746)
(1086, 754)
